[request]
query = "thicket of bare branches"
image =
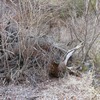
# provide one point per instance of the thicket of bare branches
(34, 33)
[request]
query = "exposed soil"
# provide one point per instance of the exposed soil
(69, 88)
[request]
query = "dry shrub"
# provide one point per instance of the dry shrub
(30, 31)
(24, 54)
(28, 58)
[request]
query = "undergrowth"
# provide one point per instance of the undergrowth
(31, 36)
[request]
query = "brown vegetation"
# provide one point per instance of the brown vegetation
(37, 35)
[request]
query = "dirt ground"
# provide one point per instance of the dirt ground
(69, 88)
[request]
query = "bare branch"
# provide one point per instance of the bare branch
(70, 52)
